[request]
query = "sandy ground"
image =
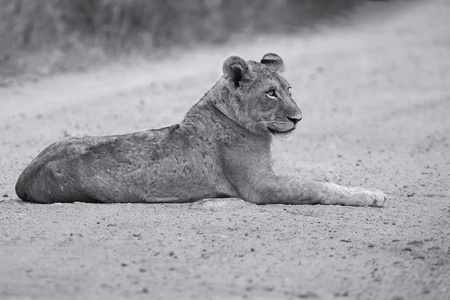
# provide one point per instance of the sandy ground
(375, 94)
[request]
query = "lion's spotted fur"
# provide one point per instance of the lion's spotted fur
(221, 149)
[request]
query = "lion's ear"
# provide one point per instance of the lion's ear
(273, 61)
(236, 69)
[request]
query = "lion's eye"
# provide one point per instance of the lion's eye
(271, 93)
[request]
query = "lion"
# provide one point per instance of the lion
(222, 149)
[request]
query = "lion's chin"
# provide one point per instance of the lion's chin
(282, 135)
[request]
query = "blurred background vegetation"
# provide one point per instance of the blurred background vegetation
(56, 35)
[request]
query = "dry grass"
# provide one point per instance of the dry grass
(55, 35)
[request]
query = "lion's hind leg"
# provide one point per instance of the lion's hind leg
(44, 184)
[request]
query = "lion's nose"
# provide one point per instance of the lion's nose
(295, 119)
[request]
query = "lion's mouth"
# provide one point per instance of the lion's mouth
(280, 132)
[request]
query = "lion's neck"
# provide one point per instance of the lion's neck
(216, 110)
(227, 103)
(206, 116)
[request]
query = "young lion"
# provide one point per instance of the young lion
(221, 149)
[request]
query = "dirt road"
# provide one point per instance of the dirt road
(375, 94)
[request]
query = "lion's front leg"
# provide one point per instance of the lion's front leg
(340, 195)
(288, 190)
(255, 181)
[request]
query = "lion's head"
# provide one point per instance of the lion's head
(258, 97)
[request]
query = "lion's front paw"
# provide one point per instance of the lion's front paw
(370, 198)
